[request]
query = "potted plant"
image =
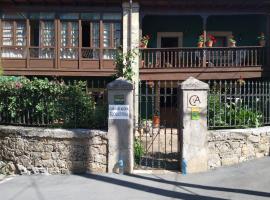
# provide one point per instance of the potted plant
(261, 39)
(210, 40)
(232, 42)
(200, 41)
(156, 119)
(144, 41)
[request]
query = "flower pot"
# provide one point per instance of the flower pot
(200, 44)
(209, 43)
(156, 121)
(232, 44)
(262, 43)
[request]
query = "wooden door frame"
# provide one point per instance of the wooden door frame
(179, 35)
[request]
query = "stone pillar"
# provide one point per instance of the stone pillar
(120, 125)
(193, 124)
(131, 36)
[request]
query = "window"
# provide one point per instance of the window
(111, 38)
(69, 39)
(42, 39)
(90, 40)
(13, 39)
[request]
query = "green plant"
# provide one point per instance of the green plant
(232, 40)
(261, 36)
(51, 103)
(144, 41)
(201, 39)
(123, 62)
(227, 113)
(138, 150)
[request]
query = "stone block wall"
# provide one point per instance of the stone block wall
(53, 151)
(228, 147)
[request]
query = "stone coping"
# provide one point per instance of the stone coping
(237, 133)
(51, 132)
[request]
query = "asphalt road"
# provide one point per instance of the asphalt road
(250, 180)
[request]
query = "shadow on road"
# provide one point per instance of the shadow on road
(149, 189)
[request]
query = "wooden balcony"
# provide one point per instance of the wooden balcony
(48, 61)
(202, 63)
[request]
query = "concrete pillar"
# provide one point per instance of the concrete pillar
(193, 124)
(120, 125)
(131, 36)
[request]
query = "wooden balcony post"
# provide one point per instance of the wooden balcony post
(27, 43)
(204, 17)
(80, 44)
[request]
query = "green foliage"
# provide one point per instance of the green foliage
(226, 113)
(138, 150)
(40, 102)
(123, 62)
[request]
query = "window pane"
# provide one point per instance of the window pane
(7, 33)
(87, 16)
(64, 35)
(106, 34)
(95, 35)
(112, 16)
(117, 34)
(47, 33)
(20, 34)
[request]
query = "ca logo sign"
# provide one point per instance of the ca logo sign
(194, 100)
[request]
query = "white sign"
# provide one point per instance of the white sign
(195, 99)
(118, 111)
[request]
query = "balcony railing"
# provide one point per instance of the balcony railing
(203, 57)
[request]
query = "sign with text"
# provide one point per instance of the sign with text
(119, 99)
(195, 99)
(118, 111)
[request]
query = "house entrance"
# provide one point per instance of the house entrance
(157, 137)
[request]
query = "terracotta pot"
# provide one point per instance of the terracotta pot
(156, 120)
(262, 43)
(209, 43)
(200, 44)
(232, 44)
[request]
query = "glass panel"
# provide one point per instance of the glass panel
(47, 33)
(117, 35)
(21, 34)
(13, 52)
(64, 35)
(14, 16)
(69, 16)
(7, 33)
(93, 16)
(95, 35)
(69, 53)
(106, 35)
(109, 53)
(74, 34)
(42, 15)
(112, 16)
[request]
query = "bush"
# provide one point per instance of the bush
(43, 102)
(138, 150)
(225, 113)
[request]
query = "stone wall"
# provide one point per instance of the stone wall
(228, 147)
(53, 151)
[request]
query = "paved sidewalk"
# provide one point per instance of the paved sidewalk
(249, 180)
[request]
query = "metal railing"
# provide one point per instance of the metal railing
(238, 104)
(203, 57)
(30, 114)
